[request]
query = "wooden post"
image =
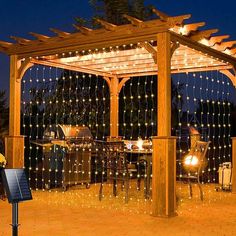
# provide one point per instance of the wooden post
(234, 165)
(164, 146)
(114, 107)
(164, 176)
(164, 84)
(14, 149)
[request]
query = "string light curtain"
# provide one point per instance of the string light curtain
(52, 97)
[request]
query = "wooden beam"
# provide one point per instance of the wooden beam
(202, 48)
(40, 37)
(21, 41)
(106, 25)
(100, 38)
(114, 107)
(150, 49)
(224, 45)
(174, 47)
(234, 165)
(82, 29)
(122, 82)
(61, 34)
(188, 28)
(176, 71)
(203, 34)
(134, 21)
(216, 39)
(164, 84)
(163, 16)
(5, 44)
(232, 51)
(164, 176)
(71, 67)
(230, 75)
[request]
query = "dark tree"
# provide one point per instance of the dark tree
(3, 119)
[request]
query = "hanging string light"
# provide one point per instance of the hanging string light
(229, 148)
(146, 108)
(153, 131)
(139, 107)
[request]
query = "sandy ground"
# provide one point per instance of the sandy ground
(78, 212)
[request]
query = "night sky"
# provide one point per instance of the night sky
(18, 17)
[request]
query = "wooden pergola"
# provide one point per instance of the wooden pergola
(161, 46)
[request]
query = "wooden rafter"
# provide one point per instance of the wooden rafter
(232, 51)
(150, 49)
(230, 75)
(82, 29)
(106, 25)
(61, 34)
(188, 28)
(135, 33)
(175, 71)
(40, 37)
(163, 16)
(71, 67)
(134, 21)
(203, 34)
(202, 48)
(216, 39)
(5, 44)
(224, 45)
(193, 27)
(98, 38)
(21, 41)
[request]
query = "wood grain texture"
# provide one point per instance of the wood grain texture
(14, 151)
(164, 84)
(114, 107)
(14, 145)
(164, 176)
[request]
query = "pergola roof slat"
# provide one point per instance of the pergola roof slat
(106, 25)
(163, 16)
(5, 44)
(124, 34)
(203, 34)
(120, 44)
(216, 39)
(134, 21)
(61, 34)
(224, 45)
(82, 29)
(20, 40)
(204, 49)
(40, 37)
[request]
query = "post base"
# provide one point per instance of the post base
(164, 177)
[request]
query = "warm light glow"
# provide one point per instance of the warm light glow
(182, 30)
(191, 160)
(140, 144)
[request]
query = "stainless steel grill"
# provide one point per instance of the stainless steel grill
(68, 160)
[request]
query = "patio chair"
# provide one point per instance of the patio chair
(114, 166)
(194, 163)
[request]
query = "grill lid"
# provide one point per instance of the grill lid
(67, 132)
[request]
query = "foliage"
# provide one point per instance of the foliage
(113, 10)
(3, 117)
(4, 113)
